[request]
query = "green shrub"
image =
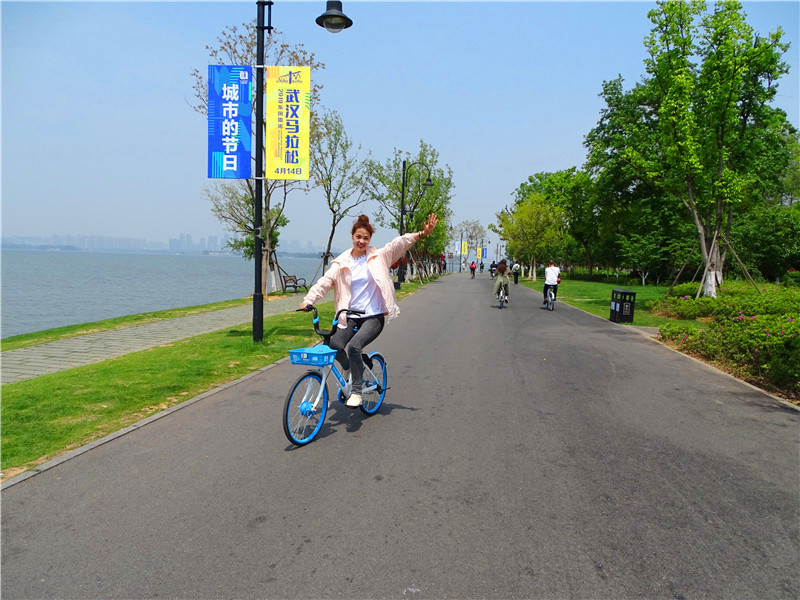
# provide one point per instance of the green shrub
(766, 346)
(685, 289)
(791, 279)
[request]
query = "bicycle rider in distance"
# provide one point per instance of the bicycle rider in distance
(552, 277)
(501, 278)
(362, 281)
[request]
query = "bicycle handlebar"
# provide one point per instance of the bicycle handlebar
(311, 307)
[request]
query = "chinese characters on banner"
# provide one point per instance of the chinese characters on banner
(287, 123)
(229, 121)
(463, 248)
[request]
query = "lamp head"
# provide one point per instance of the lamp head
(428, 182)
(333, 19)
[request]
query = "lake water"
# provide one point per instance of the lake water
(46, 289)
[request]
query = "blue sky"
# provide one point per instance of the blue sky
(98, 136)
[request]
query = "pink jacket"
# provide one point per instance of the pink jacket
(378, 262)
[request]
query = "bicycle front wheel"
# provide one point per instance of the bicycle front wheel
(550, 300)
(375, 390)
(301, 419)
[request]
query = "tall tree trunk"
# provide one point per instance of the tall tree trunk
(713, 274)
(707, 250)
(264, 269)
(328, 250)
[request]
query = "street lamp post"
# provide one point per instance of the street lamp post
(333, 20)
(428, 183)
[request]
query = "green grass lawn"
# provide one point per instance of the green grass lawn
(52, 414)
(595, 298)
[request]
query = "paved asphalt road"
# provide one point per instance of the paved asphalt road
(519, 454)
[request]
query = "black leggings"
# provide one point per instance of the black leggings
(350, 342)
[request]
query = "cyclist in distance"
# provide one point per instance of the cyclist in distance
(361, 280)
(551, 280)
(472, 269)
(502, 278)
(492, 269)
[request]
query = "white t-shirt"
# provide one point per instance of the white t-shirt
(366, 295)
(551, 275)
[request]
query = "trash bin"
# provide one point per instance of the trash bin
(622, 304)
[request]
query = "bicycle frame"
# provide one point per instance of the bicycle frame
(345, 386)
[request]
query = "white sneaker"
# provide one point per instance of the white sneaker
(354, 401)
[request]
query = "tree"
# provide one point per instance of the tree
(383, 182)
(471, 232)
(531, 227)
(774, 254)
(237, 46)
(573, 190)
(717, 143)
(337, 170)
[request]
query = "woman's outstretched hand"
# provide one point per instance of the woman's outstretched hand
(430, 225)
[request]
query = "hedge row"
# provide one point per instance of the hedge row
(759, 333)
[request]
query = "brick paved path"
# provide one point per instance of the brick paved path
(27, 363)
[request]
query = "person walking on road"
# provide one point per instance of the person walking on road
(515, 271)
(551, 280)
(361, 280)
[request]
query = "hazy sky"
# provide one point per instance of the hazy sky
(98, 136)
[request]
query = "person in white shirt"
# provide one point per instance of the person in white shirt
(551, 280)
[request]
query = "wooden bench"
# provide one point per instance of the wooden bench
(290, 281)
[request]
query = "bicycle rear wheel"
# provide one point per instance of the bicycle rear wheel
(550, 300)
(502, 297)
(301, 420)
(371, 400)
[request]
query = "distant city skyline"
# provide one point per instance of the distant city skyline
(183, 242)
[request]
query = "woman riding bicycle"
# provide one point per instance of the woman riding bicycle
(361, 281)
(502, 278)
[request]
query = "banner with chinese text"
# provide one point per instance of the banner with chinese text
(288, 122)
(229, 121)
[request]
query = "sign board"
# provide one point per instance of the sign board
(288, 122)
(229, 121)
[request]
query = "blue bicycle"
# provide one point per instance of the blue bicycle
(307, 401)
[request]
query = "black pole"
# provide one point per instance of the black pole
(258, 201)
(401, 271)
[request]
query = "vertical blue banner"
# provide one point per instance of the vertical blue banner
(229, 121)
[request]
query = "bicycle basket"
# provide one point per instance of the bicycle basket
(318, 356)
